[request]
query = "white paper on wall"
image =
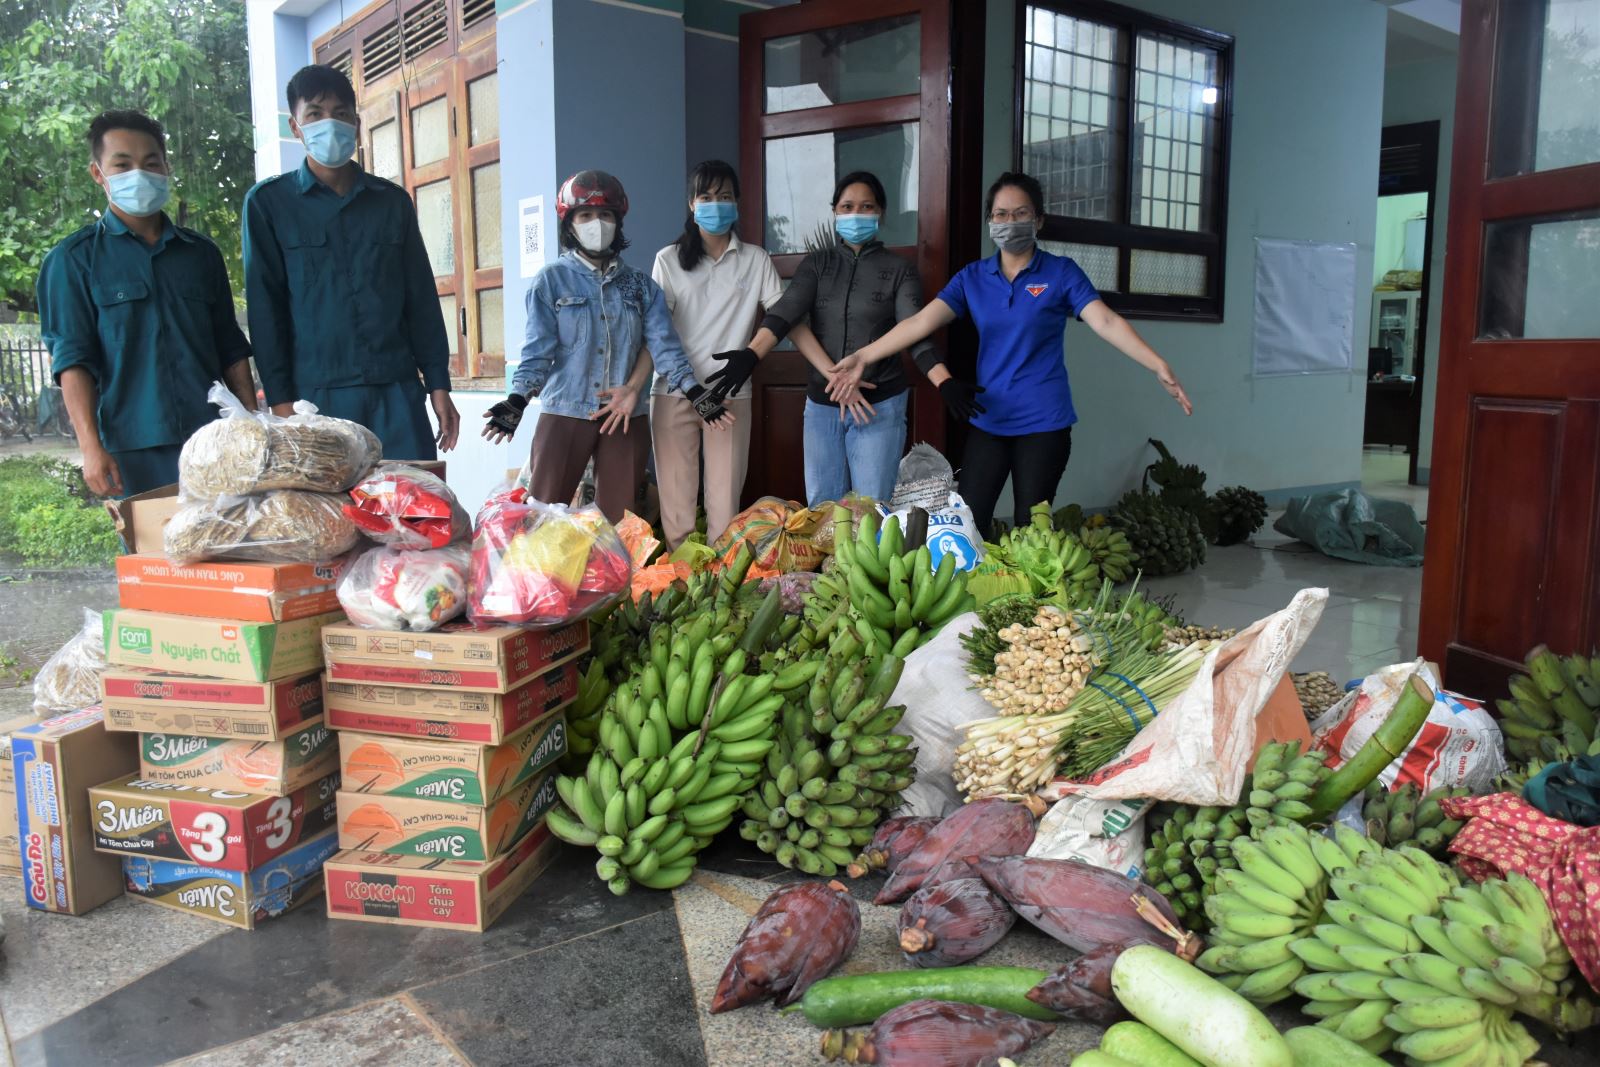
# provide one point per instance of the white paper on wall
(1305, 307)
(530, 234)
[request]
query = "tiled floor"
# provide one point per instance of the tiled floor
(571, 975)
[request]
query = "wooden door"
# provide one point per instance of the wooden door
(1513, 554)
(827, 87)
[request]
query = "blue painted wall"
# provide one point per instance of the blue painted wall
(711, 98)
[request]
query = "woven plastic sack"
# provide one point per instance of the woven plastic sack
(756, 526)
(925, 479)
(952, 531)
(281, 527)
(407, 507)
(940, 702)
(389, 588)
(1197, 750)
(1105, 833)
(542, 564)
(245, 451)
(70, 679)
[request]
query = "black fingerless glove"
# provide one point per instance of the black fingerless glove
(506, 416)
(707, 403)
(741, 364)
(961, 398)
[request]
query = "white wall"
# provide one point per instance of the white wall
(1308, 103)
(1389, 243)
(1424, 92)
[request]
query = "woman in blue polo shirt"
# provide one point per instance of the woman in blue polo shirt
(1021, 406)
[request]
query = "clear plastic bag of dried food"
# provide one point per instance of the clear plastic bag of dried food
(538, 564)
(245, 452)
(390, 588)
(70, 679)
(281, 527)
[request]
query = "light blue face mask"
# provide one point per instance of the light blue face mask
(138, 192)
(717, 216)
(329, 141)
(856, 229)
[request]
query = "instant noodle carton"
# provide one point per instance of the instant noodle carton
(225, 828)
(152, 702)
(460, 656)
(276, 768)
(216, 648)
(449, 714)
(55, 762)
(380, 887)
(238, 898)
(248, 592)
(10, 855)
(443, 829)
(448, 770)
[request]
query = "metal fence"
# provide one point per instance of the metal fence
(30, 401)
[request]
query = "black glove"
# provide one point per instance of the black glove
(708, 405)
(741, 363)
(961, 398)
(506, 416)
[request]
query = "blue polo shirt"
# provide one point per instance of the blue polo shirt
(340, 289)
(1021, 365)
(152, 324)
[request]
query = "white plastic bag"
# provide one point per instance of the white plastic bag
(951, 531)
(1105, 833)
(70, 679)
(1458, 745)
(1196, 750)
(939, 701)
(389, 588)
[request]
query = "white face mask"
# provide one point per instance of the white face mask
(595, 235)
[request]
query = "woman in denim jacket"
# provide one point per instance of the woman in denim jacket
(596, 328)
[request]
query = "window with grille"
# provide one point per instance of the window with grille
(1123, 118)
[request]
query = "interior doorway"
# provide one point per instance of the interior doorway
(1402, 259)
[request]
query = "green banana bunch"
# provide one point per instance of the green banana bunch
(1272, 898)
(1408, 957)
(897, 600)
(1150, 618)
(677, 748)
(583, 714)
(1188, 851)
(1110, 550)
(1552, 707)
(1406, 815)
(836, 767)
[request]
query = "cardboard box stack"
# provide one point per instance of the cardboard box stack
(447, 744)
(230, 809)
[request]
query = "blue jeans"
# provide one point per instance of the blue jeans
(842, 457)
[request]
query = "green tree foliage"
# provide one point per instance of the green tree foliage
(63, 61)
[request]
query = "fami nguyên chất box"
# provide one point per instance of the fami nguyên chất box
(381, 887)
(448, 770)
(55, 763)
(213, 648)
(276, 768)
(449, 714)
(441, 828)
(152, 702)
(239, 898)
(459, 656)
(223, 828)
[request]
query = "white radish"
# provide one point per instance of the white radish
(1194, 1011)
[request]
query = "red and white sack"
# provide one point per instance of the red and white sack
(1458, 745)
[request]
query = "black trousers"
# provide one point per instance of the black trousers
(1035, 463)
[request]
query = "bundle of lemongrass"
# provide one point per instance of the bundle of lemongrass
(1015, 755)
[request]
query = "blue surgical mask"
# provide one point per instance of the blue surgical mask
(856, 229)
(138, 192)
(716, 216)
(329, 141)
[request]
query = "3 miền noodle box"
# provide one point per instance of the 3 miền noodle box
(460, 656)
(276, 768)
(238, 898)
(444, 829)
(448, 770)
(449, 714)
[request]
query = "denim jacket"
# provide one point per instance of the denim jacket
(585, 331)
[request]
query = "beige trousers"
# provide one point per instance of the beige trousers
(681, 439)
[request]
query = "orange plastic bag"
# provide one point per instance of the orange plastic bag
(655, 578)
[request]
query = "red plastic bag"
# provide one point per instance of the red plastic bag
(407, 507)
(543, 564)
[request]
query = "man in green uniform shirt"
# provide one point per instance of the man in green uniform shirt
(138, 316)
(342, 304)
